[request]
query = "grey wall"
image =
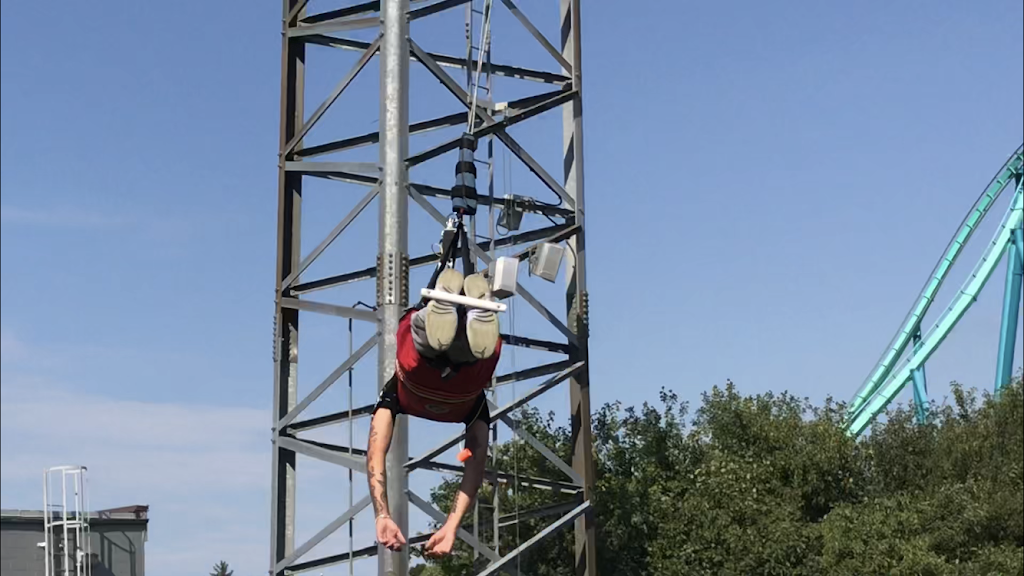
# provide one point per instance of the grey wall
(19, 553)
(119, 547)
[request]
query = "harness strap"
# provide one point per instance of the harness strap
(447, 256)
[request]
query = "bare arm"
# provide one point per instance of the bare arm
(476, 441)
(441, 543)
(381, 428)
(389, 534)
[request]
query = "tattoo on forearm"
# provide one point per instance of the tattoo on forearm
(377, 479)
(378, 489)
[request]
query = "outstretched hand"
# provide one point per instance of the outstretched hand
(389, 535)
(441, 543)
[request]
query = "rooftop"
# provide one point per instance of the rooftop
(135, 512)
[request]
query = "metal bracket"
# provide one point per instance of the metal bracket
(388, 291)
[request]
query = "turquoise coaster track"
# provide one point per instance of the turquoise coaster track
(903, 360)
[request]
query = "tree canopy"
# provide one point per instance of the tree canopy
(772, 485)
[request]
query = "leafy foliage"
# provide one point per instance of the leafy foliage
(769, 484)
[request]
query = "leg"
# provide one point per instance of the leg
(434, 327)
(381, 429)
(476, 331)
(482, 331)
(477, 438)
(418, 326)
(460, 352)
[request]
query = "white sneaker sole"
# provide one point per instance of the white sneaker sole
(482, 329)
(442, 320)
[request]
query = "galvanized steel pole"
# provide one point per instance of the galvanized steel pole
(392, 258)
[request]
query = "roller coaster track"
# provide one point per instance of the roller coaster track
(896, 367)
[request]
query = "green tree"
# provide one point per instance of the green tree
(769, 484)
(425, 570)
(221, 569)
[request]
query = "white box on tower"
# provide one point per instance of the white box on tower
(545, 261)
(504, 278)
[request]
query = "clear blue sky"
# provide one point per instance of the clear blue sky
(768, 185)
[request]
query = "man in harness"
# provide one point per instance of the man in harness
(446, 355)
(446, 358)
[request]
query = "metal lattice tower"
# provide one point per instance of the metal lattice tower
(387, 181)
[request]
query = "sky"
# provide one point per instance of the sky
(768, 186)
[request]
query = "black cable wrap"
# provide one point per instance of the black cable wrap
(464, 196)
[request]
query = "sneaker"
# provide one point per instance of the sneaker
(481, 325)
(442, 319)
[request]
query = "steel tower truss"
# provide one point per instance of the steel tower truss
(388, 182)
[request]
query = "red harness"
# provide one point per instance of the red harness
(423, 391)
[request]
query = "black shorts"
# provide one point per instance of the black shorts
(389, 399)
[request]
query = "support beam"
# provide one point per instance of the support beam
(328, 420)
(540, 447)
(531, 205)
(447, 81)
(374, 137)
(296, 13)
(495, 128)
(327, 168)
(349, 11)
(920, 387)
(1011, 309)
(448, 61)
(338, 89)
(345, 557)
(560, 236)
(564, 521)
(345, 177)
(427, 260)
(345, 222)
(435, 8)
(286, 321)
(314, 450)
(330, 309)
(324, 533)
(534, 344)
(576, 295)
(393, 252)
(327, 382)
(346, 12)
(487, 120)
(507, 478)
(544, 312)
(550, 510)
(530, 373)
(331, 26)
(537, 34)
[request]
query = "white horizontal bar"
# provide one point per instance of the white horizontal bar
(464, 300)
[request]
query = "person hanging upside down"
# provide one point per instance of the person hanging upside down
(446, 358)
